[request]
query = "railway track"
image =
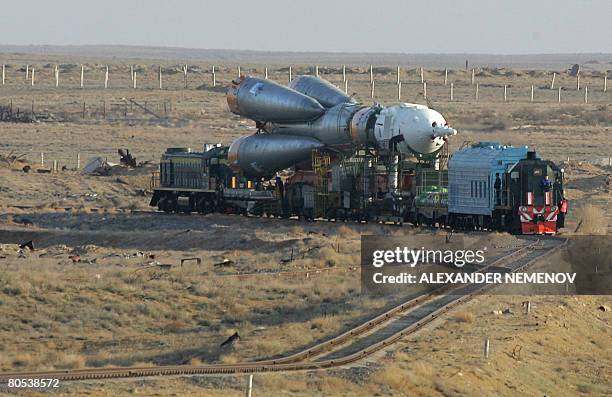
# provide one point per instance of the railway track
(347, 348)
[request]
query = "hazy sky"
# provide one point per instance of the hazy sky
(426, 26)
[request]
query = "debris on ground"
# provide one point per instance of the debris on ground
(97, 166)
(223, 263)
(231, 340)
(574, 70)
(197, 260)
(14, 161)
(126, 159)
(28, 244)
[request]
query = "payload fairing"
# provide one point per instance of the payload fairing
(311, 113)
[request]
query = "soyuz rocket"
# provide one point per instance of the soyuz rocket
(311, 113)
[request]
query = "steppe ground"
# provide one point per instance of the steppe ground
(90, 295)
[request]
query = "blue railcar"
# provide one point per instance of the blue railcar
(472, 173)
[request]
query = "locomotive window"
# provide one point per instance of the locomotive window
(537, 171)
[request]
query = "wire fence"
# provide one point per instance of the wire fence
(469, 85)
(123, 110)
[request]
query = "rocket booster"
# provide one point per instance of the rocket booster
(311, 113)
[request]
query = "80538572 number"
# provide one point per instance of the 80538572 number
(32, 383)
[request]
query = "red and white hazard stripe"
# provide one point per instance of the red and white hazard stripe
(547, 198)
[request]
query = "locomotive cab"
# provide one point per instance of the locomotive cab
(536, 192)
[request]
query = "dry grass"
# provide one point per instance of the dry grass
(463, 317)
(126, 316)
(592, 220)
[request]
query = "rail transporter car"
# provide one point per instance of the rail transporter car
(483, 186)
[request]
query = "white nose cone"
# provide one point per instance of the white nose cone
(423, 129)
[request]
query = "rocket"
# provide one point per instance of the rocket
(312, 113)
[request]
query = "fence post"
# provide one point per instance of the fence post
(477, 88)
(399, 80)
(4, 73)
(528, 307)
(399, 91)
(344, 73)
(604, 90)
(290, 74)
(266, 73)
(317, 70)
(32, 77)
(531, 97)
(54, 165)
(134, 80)
(78, 161)
(249, 389)
(578, 81)
(372, 92)
(371, 75)
(185, 70)
(27, 76)
(452, 88)
(586, 94)
(487, 346)
(214, 78)
(56, 72)
(552, 83)
(42, 159)
(132, 72)
(422, 75)
(82, 74)
(239, 72)
(446, 76)
(346, 87)
(425, 89)
(505, 93)
(559, 95)
(106, 77)
(473, 76)
(160, 77)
